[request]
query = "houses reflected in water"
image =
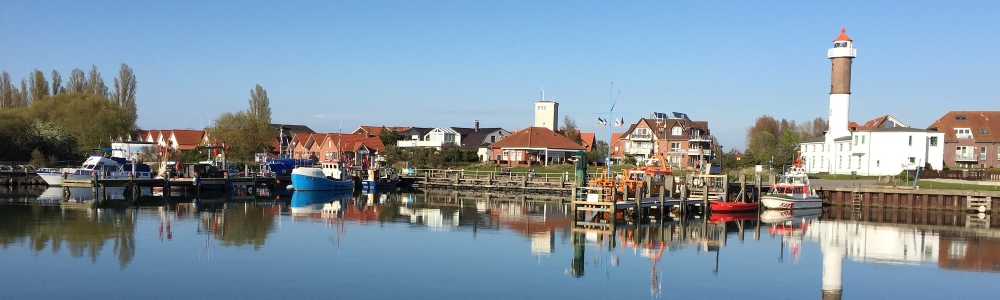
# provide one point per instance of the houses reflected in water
(39, 221)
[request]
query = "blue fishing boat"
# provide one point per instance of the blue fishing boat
(330, 176)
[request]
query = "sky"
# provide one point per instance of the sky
(334, 65)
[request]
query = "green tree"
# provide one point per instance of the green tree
(124, 93)
(598, 152)
(91, 119)
(246, 132)
(77, 82)
(762, 147)
(38, 86)
(260, 105)
(388, 136)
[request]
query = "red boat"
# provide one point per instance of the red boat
(720, 206)
(721, 217)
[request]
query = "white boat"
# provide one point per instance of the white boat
(783, 215)
(95, 165)
(792, 191)
(330, 176)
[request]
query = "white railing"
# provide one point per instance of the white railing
(700, 137)
(842, 52)
(403, 144)
(965, 157)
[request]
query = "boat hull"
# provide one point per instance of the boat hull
(719, 206)
(790, 202)
(56, 178)
(312, 183)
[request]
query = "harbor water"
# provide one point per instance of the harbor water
(450, 246)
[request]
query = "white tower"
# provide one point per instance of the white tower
(840, 85)
(547, 114)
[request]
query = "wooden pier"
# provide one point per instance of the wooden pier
(909, 198)
(488, 180)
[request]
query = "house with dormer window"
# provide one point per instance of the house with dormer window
(971, 138)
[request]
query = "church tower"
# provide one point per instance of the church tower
(840, 55)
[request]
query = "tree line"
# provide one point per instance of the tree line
(45, 121)
(773, 142)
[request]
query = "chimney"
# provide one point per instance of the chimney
(477, 125)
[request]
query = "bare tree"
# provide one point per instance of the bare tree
(95, 84)
(77, 82)
(6, 91)
(124, 94)
(38, 86)
(56, 83)
(819, 127)
(23, 97)
(570, 131)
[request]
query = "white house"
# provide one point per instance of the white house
(873, 152)
(434, 138)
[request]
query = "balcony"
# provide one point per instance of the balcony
(697, 152)
(405, 144)
(641, 137)
(966, 157)
(700, 138)
(639, 151)
(963, 136)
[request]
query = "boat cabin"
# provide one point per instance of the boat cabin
(792, 183)
(336, 170)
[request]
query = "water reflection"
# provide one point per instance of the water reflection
(83, 231)
(543, 229)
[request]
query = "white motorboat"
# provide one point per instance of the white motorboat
(96, 166)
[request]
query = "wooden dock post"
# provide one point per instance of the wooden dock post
(725, 189)
(743, 188)
(684, 198)
(704, 196)
(663, 194)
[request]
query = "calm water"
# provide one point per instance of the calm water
(445, 246)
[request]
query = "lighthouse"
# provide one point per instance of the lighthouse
(840, 56)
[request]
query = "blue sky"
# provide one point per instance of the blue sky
(449, 63)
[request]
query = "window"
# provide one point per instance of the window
(959, 117)
(840, 147)
(493, 139)
(840, 162)
(983, 131)
(913, 160)
(848, 147)
(911, 140)
(813, 148)
(855, 140)
(862, 140)
(982, 153)
(963, 152)
(933, 141)
(541, 108)
(675, 147)
(998, 153)
(677, 130)
(963, 133)
(878, 163)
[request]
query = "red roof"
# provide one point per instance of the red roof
(588, 140)
(842, 36)
(537, 138)
(983, 125)
(188, 139)
(353, 142)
